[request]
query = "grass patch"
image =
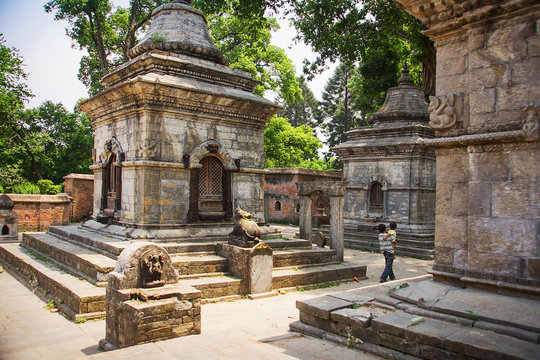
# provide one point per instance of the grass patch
(50, 305)
(42, 257)
(323, 285)
(80, 320)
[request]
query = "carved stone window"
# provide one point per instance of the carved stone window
(278, 206)
(376, 197)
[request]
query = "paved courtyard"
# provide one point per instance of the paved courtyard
(248, 329)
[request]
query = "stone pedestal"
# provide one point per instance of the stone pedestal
(8, 221)
(253, 265)
(145, 303)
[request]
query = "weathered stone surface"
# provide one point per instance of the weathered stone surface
(322, 306)
(355, 297)
(260, 269)
(487, 345)
(484, 306)
(352, 317)
(425, 293)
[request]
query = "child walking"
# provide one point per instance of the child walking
(385, 243)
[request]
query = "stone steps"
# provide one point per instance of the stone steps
(79, 261)
(71, 295)
(290, 277)
(366, 239)
(425, 320)
(199, 264)
(294, 257)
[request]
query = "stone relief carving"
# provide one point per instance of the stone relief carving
(531, 126)
(112, 146)
(365, 185)
(148, 150)
(443, 114)
(211, 146)
(152, 270)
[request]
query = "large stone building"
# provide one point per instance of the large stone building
(178, 133)
(486, 118)
(391, 173)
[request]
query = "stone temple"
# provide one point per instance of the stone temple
(391, 173)
(179, 141)
(177, 132)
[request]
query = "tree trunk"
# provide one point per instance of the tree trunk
(97, 37)
(428, 70)
(130, 36)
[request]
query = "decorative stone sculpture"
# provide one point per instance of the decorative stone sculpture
(443, 114)
(145, 302)
(246, 232)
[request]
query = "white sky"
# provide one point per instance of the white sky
(52, 64)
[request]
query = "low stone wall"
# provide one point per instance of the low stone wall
(38, 212)
(282, 201)
(81, 189)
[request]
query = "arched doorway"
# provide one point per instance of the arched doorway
(213, 190)
(112, 186)
(5, 230)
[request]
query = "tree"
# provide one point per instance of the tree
(352, 31)
(13, 95)
(336, 110)
(238, 26)
(288, 146)
(302, 112)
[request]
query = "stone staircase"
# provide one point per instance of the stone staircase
(365, 238)
(425, 319)
(70, 264)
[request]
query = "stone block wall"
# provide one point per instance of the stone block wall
(488, 208)
(81, 189)
(38, 212)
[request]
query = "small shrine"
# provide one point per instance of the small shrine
(178, 133)
(391, 172)
(8, 220)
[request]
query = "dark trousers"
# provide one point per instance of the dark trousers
(388, 261)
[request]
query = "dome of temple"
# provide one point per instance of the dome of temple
(179, 28)
(6, 203)
(404, 103)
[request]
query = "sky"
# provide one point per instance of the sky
(52, 64)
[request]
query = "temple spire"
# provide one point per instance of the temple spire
(405, 79)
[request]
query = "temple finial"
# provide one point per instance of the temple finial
(405, 78)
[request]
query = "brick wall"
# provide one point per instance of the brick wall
(81, 189)
(280, 186)
(38, 212)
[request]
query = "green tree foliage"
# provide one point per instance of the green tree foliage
(47, 142)
(337, 111)
(288, 146)
(239, 28)
(302, 112)
(361, 31)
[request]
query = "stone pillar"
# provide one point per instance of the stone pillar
(333, 189)
(486, 120)
(336, 225)
(8, 221)
(305, 218)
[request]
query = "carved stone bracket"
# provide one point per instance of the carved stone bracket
(443, 114)
(112, 146)
(148, 151)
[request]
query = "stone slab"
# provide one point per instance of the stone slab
(479, 305)
(482, 344)
(322, 307)
(424, 293)
(358, 317)
(353, 296)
